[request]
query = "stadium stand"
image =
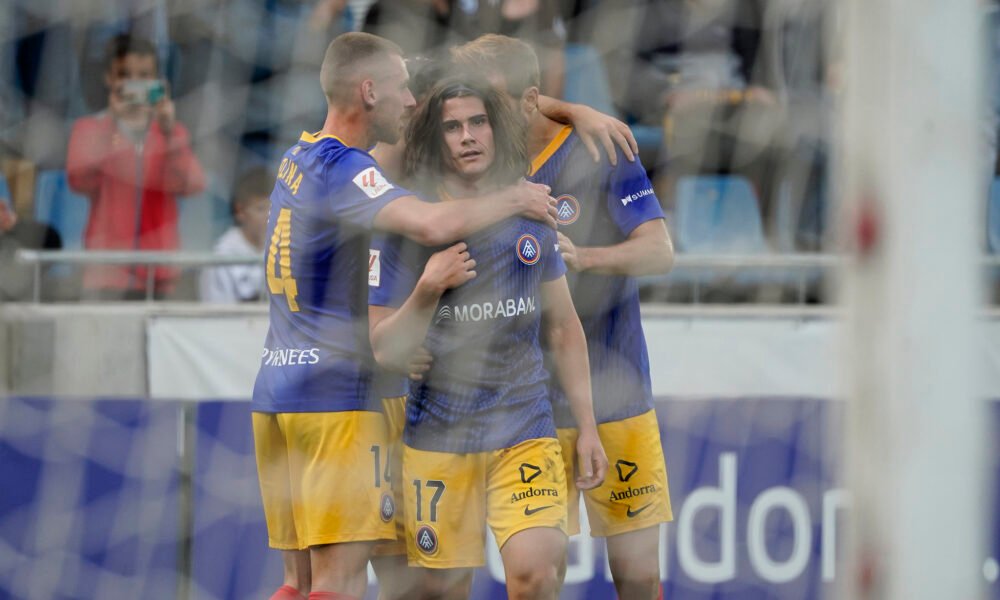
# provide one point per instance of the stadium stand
(718, 215)
(61, 208)
(993, 218)
(203, 218)
(586, 82)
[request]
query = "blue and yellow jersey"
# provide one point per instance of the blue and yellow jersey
(487, 388)
(317, 357)
(600, 206)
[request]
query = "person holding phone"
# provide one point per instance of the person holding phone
(132, 161)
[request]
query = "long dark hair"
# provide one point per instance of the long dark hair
(424, 159)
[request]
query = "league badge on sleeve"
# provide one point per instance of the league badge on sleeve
(528, 249)
(372, 182)
(567, 209)
(374, 267)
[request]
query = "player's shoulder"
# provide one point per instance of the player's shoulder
(329, 153)
(577, 151)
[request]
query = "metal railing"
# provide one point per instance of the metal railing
(39, 259)
(801, 266)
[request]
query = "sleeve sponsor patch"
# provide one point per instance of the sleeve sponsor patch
(374, 267)
(636, 196)
(372, 182)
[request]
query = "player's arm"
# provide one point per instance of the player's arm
(564, 335)
(397, 334)
(593, 126)
(647, 251)
(439, 223)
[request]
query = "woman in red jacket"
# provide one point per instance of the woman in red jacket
(132, 160)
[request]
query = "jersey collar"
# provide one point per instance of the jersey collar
(312, 138)
(550, 149)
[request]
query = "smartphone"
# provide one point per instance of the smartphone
(143, 91)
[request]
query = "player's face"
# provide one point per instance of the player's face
(468, 137)
(393, 103)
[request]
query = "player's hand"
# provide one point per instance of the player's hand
(449, 268)
(535, 202)
(420, 363)
(571, 254)
(608, 131)
(591, 461)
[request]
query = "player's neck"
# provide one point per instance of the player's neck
(351, 126)
(456, 187)
(541, 131)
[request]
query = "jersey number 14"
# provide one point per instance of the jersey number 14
(280, 254)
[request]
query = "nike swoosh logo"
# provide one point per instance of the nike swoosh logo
(634, 513)
(528, 511)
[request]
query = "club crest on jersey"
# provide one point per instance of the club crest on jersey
(387, 507)
(528, 249)
(427, 540)
(567, 209)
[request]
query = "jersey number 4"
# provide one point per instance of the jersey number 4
(279, 254)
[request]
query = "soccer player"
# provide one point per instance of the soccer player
(389, 559)
(593, 127)
(480, 442)
(611, 228)
(319, 440)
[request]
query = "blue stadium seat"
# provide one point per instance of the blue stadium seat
(993, 218)
(585, 81)
(63, 209)
(4, 190)
(718, 215)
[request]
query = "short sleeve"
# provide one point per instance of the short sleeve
(392, 270)
(360, 189)
(553, 266)
(631, 200)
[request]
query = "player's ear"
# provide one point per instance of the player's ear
(368, 92)
(529, 100)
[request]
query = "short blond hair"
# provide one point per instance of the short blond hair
(494, 54)
(349, 57)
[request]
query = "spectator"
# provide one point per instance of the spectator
(16, 281)
(132, 161)
(698, 67)
(242, 283)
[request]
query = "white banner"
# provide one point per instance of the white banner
(204, 358)
(216, 357)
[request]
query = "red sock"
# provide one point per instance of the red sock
(660, 597)
(330, 596)
(287, 592)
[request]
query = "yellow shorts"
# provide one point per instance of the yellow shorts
(448, 497)
(322, 478)
(395, 420)
(634, 495)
